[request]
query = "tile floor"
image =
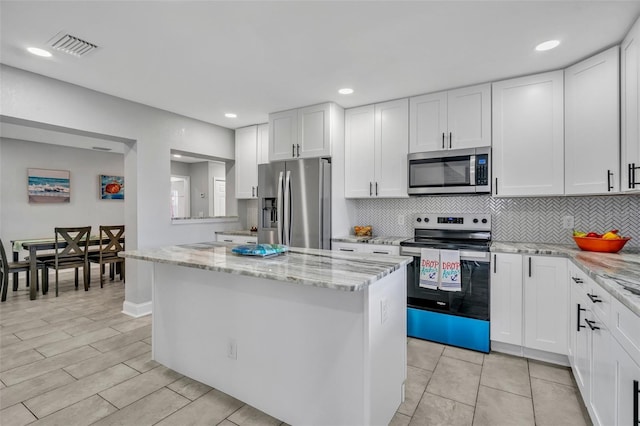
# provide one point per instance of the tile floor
(77, 360)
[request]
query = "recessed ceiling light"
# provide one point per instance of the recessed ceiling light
(345, 91)
(547, 45)
(39, 52)
(230, 115)
(177, 155)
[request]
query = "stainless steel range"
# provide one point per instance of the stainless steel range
(459, 318)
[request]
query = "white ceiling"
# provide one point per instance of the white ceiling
(204, 58)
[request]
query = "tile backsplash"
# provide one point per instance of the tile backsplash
(532, 219)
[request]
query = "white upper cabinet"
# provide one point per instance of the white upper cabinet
(246, 162)
(630, 111)
(376, 150)
(592, 125)
(300, 133)
(263, 143)
(528, 134)
(455, 119)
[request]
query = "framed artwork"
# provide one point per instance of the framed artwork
(111, 187)
(48, 186)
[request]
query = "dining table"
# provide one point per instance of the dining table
(34, 245)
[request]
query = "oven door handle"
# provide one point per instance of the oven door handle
(478, 256)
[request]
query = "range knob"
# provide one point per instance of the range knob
(426, 219)
(484, 220)
(419, 220)
(475, 220)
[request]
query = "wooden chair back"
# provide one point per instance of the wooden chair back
(77, 240)
(4, 267)
(114, 234)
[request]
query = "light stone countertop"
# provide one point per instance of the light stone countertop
(240, 232)
(320, 268)
(391, 241)
(618, 273)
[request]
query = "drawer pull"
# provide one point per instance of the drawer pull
(577, 280)
(228, 241)
(381, 252)
(636, 391)
(594, 298)
(345, 249)
(590, 324)
(580, 309)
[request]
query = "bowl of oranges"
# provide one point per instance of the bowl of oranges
(609, 242)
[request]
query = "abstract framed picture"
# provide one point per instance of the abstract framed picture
(48, 186)
(111, 187)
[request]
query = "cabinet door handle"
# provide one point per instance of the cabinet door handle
(609, 176)
(376, 189)
(496, 186)
(450, 136)
(293, 150)
(381, 252)
(636, 391)
(590, 324)
(253, 191)
(298, 147)
(633, 175)
(529, 266)
(256, 191)
(577, 280)
(580, 309)
(594, 298)
(344, 249)
(494, 264)
(630, 176)
(228, 241)
(370, 189)
(442, 140)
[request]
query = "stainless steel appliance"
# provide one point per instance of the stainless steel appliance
(295, 203)
(456, 318)
(450, 172)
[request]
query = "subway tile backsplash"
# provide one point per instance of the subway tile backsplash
(535, 219)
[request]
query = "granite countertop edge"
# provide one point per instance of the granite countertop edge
(617, 273)
(348, 272)
(239, 232)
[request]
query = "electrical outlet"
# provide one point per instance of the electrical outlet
(400, 219)
(567, 222)
(384, 310)
(232, 349)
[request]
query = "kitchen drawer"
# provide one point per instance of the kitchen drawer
(237, 239)
(348, 247)
(600, 302)
(625, 327)
(382, 249)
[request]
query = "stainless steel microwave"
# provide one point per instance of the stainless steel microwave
(455, 171)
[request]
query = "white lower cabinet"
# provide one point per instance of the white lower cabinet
(529, 298)
(237, 239)
(605, 372)
(366, 248)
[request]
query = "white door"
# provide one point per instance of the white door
(314, 131)
(180, 199)
(592, 125)
(546, 299)
(528, 135)
(602, 373)
(506, 298)
(469, 117)
(219, 197)
(630, 110)
(627, 375)
(283, 135)
(246, 162)
(428, 122)
(391, 147)
(263, 143)
(359, 145)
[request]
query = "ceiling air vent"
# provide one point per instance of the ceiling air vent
(71, 44)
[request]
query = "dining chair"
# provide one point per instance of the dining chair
(108, 253)
(7, 268)
(73, 255)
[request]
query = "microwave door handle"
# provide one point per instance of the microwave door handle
(472, 170)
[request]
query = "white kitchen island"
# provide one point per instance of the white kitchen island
(312, 337)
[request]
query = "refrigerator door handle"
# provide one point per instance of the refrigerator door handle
(280, 210)
(287, 209)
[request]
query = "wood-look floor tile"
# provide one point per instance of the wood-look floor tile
(250, 416)
(36, 342)
(142, 363)
(106, 360)
(139, 386)
(132, 324)
(117, 318)
(50, 328)
(56, 348)
(148, 410)
(16, 415)
(189, 388)
(81, 413)
(33, 387)
(9, 339)
(123, 339)
(67, 395)
(34, 369)
(214, 406)
(21, 358)
(22, 326)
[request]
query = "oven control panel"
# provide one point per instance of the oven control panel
(463, 221)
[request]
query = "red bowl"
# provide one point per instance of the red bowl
(601, 244)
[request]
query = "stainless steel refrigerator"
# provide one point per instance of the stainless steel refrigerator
(295, 203)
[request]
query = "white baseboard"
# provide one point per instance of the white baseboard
(535, 354)
(136, 310)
